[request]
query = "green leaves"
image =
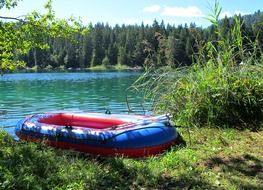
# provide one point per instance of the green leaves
(216, 10)
(8, 3)
(32, 31)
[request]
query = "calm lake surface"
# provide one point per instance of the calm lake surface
(28, 93)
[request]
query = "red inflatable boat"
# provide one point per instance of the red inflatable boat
(101, 134)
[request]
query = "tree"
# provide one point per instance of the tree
(20, 34)
(71, 58)
(8, 3)
(98, 51)
(86, 48)
(258, 28)
(157, 44)
(105, 61)
(170, 50)
(138, 53)
(122, 57)
(113, 54)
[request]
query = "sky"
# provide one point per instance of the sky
(120, 12)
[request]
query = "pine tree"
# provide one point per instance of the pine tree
(98, 51)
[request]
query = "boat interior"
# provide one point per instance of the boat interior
(79, 120)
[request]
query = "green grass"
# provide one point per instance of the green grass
(121, 67)
(117, 67)
(214, 159)
(49, 68)
(211, 95)
(98, 68)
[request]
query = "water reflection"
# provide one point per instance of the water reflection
(24, 94)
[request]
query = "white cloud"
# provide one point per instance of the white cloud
(191, 11)
(152, 9)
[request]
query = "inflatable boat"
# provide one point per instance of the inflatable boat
(101, 134)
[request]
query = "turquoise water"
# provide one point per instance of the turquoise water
(28, 93)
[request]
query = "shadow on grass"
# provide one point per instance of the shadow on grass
(242, 168)
(193, 181)
(120, 175)
(35, 166)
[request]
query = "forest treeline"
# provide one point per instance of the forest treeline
(135, 45)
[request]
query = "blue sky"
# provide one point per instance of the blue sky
(137, 11)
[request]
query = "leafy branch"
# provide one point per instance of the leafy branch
(31, 32)
(13, 18)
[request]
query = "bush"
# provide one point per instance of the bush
(216, 95)
(48, 68)
(106, 61)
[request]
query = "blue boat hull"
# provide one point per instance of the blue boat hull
(136, 136)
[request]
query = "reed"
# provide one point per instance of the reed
(223, 87)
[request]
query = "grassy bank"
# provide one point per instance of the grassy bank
(214, 159)
(117, 67)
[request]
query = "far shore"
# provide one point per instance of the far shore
(95, 68)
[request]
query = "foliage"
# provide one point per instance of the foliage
(8, 3)
(25, 42)
(215, 95)
(155, 45)
(106, 61)
(17, 37)
(224, 87)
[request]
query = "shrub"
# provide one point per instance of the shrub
(215, 95)
(49, 68)
(106, 61)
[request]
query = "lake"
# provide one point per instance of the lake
(23, 94)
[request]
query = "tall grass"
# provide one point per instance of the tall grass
(223, 87)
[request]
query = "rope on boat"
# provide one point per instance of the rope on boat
(161, 118)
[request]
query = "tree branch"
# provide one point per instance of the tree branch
(13, 18)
